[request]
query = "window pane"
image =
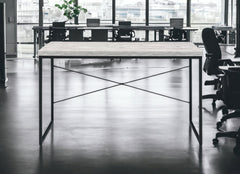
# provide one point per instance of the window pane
(96, 9)
(101, 9)
(130, 10)
(52, 13)
(27, 11)
(160, 11)
(205, 11)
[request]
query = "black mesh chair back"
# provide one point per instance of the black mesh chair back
(231, 88)
(177, 34)
(212, 48)
(124, 33)
(57, 32)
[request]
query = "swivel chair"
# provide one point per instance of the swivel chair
(177, 35)
(231, 98)
(124, 33)
(57, 32)
(212, 62)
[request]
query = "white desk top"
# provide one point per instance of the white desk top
(121, 49)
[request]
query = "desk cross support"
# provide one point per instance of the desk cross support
(43, 134)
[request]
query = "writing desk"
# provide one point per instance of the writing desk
(39, 30)
(123, 50)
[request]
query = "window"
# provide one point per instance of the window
(160, 11)
(130, 10)
(52, 13)
(205, 11)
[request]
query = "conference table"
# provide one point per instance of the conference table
(123, 50)
(38, 31)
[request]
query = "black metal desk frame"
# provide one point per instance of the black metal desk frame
(43, 134)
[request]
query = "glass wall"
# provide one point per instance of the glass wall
(52, 13)
(27, 13)
(101, 9)
(160, 11)
(131, 10)
(96, 9)
(206, 13)
(27, 17)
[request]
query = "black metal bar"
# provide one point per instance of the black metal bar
(188, 19)
(190, 90)
(40, 101)
(3, 78)
(52, 89)
(76, 18)
(226, 2)
(46, 132)
(40, 22)
(200, 101)
(147, 20)
(237, 53)
(155, 35)
(188, 13)
(118, 84)
(195, 132)
(151, 92)
(91, 92)
(131, 81)
(161, 35)
(34, 43)
(113, 11)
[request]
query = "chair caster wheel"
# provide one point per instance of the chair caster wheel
(219, 125)
(224, 111)
(236, 150)
(215, 141)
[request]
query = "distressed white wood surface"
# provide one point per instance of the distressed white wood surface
(121, 49)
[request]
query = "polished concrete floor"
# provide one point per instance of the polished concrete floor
(117, 131)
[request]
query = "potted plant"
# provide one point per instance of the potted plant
(70, 9)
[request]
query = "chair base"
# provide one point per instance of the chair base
(230, 134)
(227, 116)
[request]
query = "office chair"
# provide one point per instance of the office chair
(176, 35)
(212, 62)
(57, 32)
(124, 33)
(231, 98)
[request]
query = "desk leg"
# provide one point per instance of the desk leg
(198, 133)
(161, 35)
(34, 43)
(188, 33)
(190, 90)
(155, 35)
(43, 134)
(200, 101)
(40, 101)
(52, 89)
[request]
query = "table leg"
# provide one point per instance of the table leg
(155, 35)
(161, 34)
(52, 89)
(188, 36)
(43, 134)
(40, 101)
(34, 43)
(200, 101)
(190, 90)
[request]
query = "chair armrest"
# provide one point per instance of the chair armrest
(236, 61)
(209, 55)
(222, 62)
